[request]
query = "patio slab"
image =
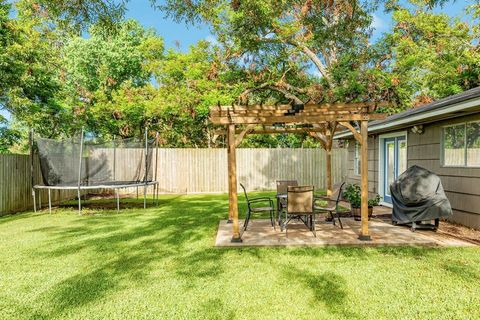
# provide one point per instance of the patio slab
(261, 233)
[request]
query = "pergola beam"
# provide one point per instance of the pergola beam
(355, 133)
(234, 119)
(279, 113)
(271, 131)
(242, 134)
(307, 106)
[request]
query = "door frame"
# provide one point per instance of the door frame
(381, 158)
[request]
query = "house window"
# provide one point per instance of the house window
(356, 159)
(461, 145)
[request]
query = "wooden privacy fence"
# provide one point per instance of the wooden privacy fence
(15, 185)
(185, 171)
(205, 170)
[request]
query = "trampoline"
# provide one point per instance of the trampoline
(87, 163)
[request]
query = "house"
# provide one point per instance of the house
(442, 136)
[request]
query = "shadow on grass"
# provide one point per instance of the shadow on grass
(327, 288)
(128, 245)
(216, 309)
(179, 234)
(462, 270)
(365, 253)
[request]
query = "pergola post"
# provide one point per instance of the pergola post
(328, 152)
(364, 235)
(329, 171)
(232, 183)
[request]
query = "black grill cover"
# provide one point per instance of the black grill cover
(418, 195)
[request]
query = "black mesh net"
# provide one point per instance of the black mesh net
(117, 162)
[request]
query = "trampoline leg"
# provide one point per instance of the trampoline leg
(118, 200)
(49, 201)
(137, 192)
(34, 201)
(79, 196)
(145, 197)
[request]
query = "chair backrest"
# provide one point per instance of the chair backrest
(282, 185)
(300, 199)
(244, 191)
(337, 191)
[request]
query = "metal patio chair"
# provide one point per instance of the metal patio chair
(332, 203)
(282, 185)
(300, 205)
(252, 208)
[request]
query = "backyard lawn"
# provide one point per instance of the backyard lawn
(161, 263)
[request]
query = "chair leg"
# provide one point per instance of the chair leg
(272, 219)
(339, 221)
(314, 227)
(331, 216)
(285, 225)
(247, 219)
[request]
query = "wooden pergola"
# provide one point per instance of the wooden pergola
(319, 120)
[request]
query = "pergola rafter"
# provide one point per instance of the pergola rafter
(318, 120)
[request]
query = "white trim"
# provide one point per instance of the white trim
(421, 116)
(356, 158)
(381, 154)
(386, 204)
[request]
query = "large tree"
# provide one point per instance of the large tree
(283, 40)
(430, 55)
(107, 68)
(28, 67)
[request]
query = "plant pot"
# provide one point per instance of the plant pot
(356, 212)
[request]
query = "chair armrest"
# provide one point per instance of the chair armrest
(329, 204)
(260, 198)
(264, 199)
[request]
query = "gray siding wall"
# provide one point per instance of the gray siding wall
(372, 165)
(462, 185)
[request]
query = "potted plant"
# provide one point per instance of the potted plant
(353, 195)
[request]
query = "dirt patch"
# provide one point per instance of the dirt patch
(460, 232)
(448, 228)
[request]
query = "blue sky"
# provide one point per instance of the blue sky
(185, 35)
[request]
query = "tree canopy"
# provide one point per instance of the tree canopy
(68, 64)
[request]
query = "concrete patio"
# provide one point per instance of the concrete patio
(261, 233)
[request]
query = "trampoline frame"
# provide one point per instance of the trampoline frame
(135, 184)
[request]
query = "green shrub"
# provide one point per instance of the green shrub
(353, 194)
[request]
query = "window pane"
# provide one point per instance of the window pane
(454, 145)
(473, 144)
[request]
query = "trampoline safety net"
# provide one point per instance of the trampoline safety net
(117, 162)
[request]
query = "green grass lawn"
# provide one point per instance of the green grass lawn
(160, 263)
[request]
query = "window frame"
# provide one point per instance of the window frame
(465, 153)
(356, 158)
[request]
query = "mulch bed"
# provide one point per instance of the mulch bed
(460, 232)
(446, 227)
